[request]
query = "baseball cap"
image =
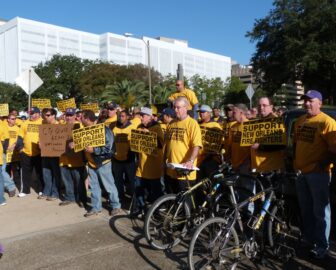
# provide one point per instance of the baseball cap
(70, 111)
(312, 94)
(34, 110)
(111, 106)
(205, 108)
(146, 110)
(169, 112)
(229, 107)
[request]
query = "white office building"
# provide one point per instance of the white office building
(25, 43)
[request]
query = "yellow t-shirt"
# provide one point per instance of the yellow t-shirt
(151, 166)
(267, 161)
(181, 137)
(189, 94)
(136, 121)
(30, 132)
(122, 138)
(70, 158)
(313, 137)
(111, 122)
(163, 127)
(11, 133)
(238, 155)
(206, 141)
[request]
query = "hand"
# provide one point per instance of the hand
(189, 164)
(71, 145)
(89, 149)
(255, 146)
(12, 147)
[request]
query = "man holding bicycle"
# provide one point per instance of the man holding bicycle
(314, 144)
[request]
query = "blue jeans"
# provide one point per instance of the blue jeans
(8, 182)
(313, 195)
(73, 179)
(2, 197)
(153, 187)
(103, 175)
(51, 176)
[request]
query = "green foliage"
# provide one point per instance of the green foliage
(296, 41)
(235, 92)
(14, 96)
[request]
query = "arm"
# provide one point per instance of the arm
(190, 161)
(195, 109)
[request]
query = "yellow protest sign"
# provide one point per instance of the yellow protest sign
(212, 139)
(143, 142)
(41, 103)
(88, 136)
(62, 105)
(90, 106)
(264, 131)
(4, 111)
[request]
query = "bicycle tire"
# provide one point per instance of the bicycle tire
(160, 229)
(213, 239)
(280, 236)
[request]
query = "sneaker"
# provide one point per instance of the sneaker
(41, 197)
(11, 193)
(64, 203)
(91, 214)
(319, 253)
(21, 195)
(3, 204)
(116, 212)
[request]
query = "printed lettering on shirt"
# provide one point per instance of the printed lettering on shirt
(175, 134)
(33, 128)
(306, 134)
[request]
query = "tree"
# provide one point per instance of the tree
(235, 91)
(160, 94)
(296, 41)
(61, 75)
(127, 94)
(14, 96)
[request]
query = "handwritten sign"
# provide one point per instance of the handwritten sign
(54, 139)
(4, 111)
(212, 139)
(144, 142)
(90, 106)
(89, 136)
(270, 131)
(41, 103)
(62, 105)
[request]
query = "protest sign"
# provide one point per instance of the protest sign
(264, 131)
(212, 139)
(62, 105)
(88, 136)
(41, 103)
(90, 106)
(54, 139)
(4, 111)
(144, 142)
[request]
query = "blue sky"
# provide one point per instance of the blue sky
(217, 26)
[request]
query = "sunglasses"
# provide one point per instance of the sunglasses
(47, 115)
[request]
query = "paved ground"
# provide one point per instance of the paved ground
(42, 235)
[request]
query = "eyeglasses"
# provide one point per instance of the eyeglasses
(178, 84)
(11, 118)
(264, 105)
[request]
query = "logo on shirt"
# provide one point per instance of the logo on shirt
(306, 134)
(175, 134)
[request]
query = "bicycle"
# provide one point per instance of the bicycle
(216, 243)
(171, 216)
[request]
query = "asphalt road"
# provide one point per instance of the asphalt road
(42, 235)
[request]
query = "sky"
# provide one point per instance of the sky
(217, 26)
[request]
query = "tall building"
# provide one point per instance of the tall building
(25, 43)
(243, 72)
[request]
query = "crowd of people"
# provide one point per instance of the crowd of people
(114, 171)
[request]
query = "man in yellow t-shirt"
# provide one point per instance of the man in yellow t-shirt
(123, 159)
(149, 170)
(111, 121)
(267, 158)
(183, 141)
(208, 160)
(315, 148)
(31, 155)
(72, 167)
(190, 95)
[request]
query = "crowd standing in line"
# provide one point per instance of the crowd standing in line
(115, 171)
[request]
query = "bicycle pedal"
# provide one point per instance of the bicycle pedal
(252, 221)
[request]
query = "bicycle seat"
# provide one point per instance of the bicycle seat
(229, 181)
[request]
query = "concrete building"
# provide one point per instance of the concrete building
(243, 72)
(25, 43)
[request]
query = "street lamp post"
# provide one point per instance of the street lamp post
(148, 65)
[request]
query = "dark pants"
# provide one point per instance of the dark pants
(153, 188)
(175, 186)
(123, 171)
(74, 183)
(28, 165)
(14, 169)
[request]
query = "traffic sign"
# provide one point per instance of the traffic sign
(249, 91)
(29, 81)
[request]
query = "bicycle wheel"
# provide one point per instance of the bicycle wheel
(281, 237)
(166, 222)
(214, 246)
